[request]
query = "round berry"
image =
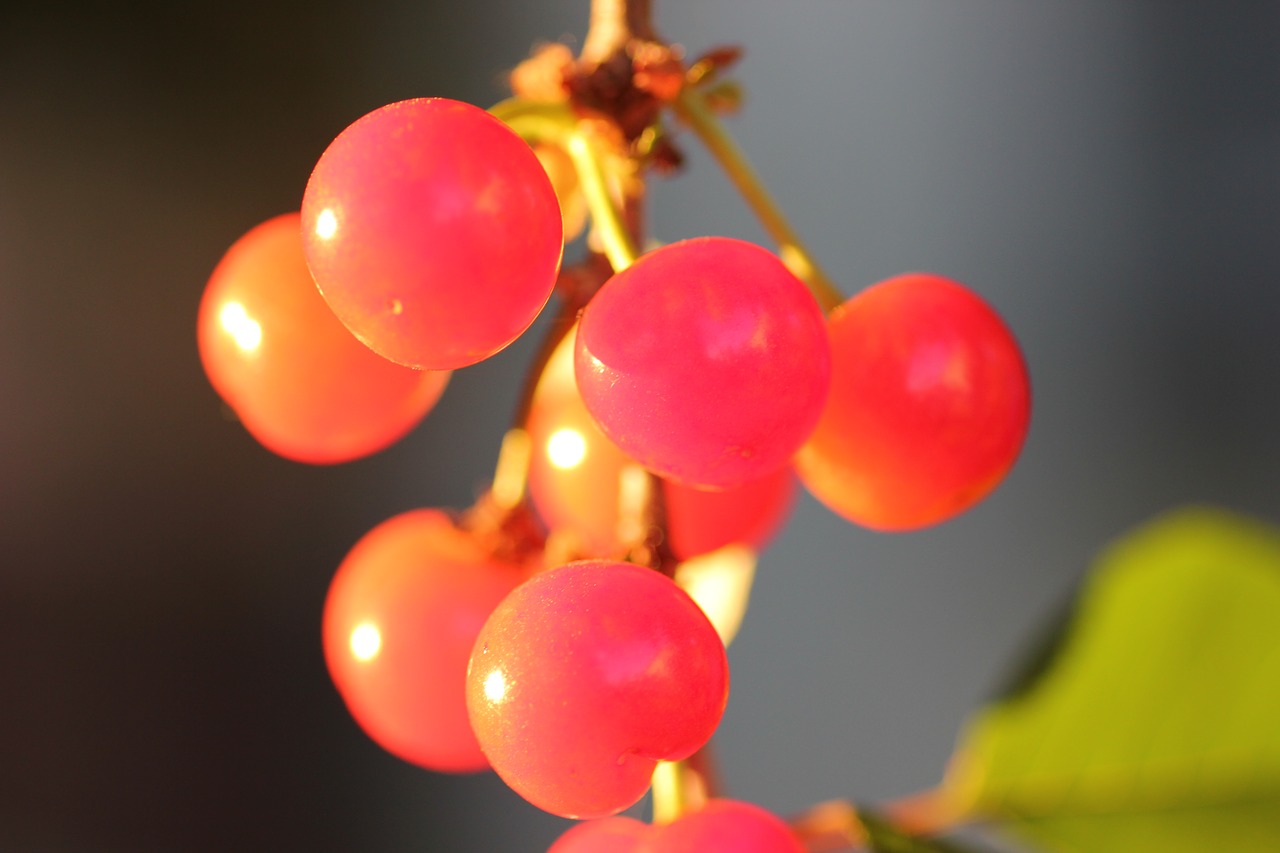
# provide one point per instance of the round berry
(606, 835)
(719, 826)
(585, 677)
(929, 405)
(575, 471)
(727, 826)
(296, 378)
(402, 614)
(433, 232)
(707, 361)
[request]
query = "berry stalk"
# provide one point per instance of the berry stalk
(614, 23)
(557, 124)
(691, 107)
(683, 787)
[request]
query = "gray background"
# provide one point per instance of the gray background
(1106, 173)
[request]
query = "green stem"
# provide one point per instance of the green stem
(667, 792)
(692, 108)
(557, 124)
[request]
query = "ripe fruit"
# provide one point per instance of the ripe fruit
(585, 677)
(728, 826)
(402, 614)
(574, 477)
(299, 382)
(929, 405)
(606, 835)
(720, 826)
(433, 232)
(706, 361)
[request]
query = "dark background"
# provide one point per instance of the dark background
(1107, 173)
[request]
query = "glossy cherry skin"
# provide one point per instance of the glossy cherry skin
(575, 469)
(706, 361)
(720, 826)
(297, 379)
(585, 677)
(433, 232)
(727, 826)
(402, 614)
(929, 405)
(606, 835)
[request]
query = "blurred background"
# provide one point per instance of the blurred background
(1107, 174)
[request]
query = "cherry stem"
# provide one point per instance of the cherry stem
(692, 108)
(642, 520)
(615, 23)
(678, 787)
(681, 787)
(557, 124)
(511, 474)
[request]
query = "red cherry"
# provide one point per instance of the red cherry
(433, 232)
(575, 469)
(585, 677)
(402, 614)
(300, 383)
(720, 826)
(706, 361)
(929, 405)
(727, 826)
(606, 835)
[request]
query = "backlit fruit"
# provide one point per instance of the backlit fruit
(706, 361)
(728, 826)
(606, 835)
(929, 405)
(296, 378)
(402, 614)
(720, 826)
(575, 472)
(433, 232)
(585, 677)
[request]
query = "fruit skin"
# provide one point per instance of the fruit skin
(587, 675)
(727, 826)
(720, 826)
(427, 588)
(706, 361)
(433, 232)
(929, 406)
(606, 835)
(299, 382)
(582, 494)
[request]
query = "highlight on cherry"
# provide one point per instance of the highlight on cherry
(401, 617)
(576, 478)
(569, 630)
(588, 675)
(706, 361)
(929, 406)
(295, 377)
(433, 232)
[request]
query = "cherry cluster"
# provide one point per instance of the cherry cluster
(430, 237)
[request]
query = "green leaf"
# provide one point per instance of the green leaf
(1235, 828)
(1155, 723)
